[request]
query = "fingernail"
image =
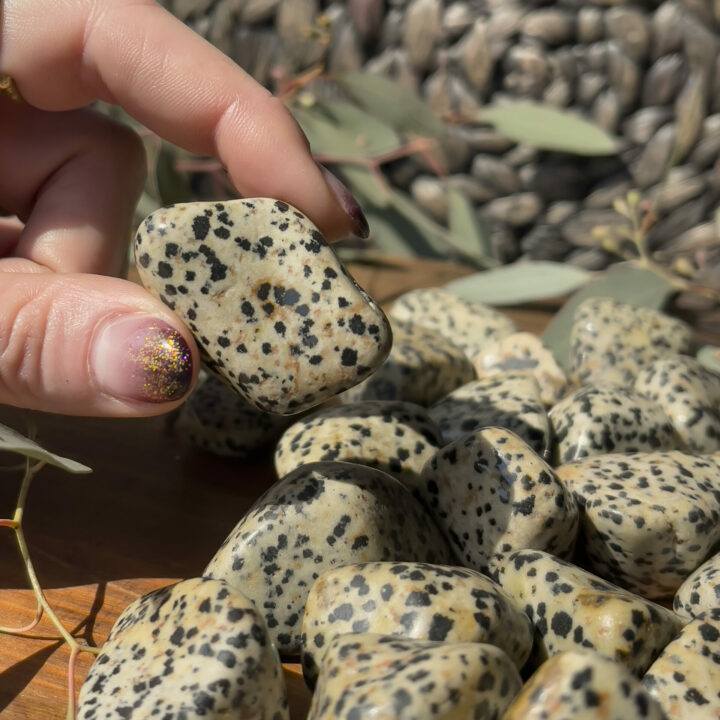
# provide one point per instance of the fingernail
(141, 358)
(348, 203)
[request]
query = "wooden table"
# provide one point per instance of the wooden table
(154, 510)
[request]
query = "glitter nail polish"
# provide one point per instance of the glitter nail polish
(140, 358)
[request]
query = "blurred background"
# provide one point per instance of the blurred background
(492, 132)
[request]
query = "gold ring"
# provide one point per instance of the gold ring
(8, 87)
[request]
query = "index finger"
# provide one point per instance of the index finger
(135, 54)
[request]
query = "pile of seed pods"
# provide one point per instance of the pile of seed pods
(459, 529)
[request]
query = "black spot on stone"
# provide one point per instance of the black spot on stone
(561, 623)
(201, 227)
(439, 627)
(418, 599)
(348, 357)
(144, 260)
(164, 270)
(223, 341)
(247, 309)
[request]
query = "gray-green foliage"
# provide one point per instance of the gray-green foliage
(13, 441)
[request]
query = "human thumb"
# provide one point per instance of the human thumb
(90, 345)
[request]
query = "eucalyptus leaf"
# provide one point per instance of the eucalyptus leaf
(339, 129)
(385, 235)
(361, 181)
(172, 186)
(624, 283)
(13, 441)
(372, 136)
(709, 357)
(468, 232)
(325, 136)
(519, 283)
(393, 103)
(396, 234)
(548, 129)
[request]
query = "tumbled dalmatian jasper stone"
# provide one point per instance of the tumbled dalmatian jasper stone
(422, 367)
(382, 676)
(583, 686)
(468, 325)
(700, 591)
(690, 397)
(686, 677)
(595, 420)
(648, 519)
(319, 516)
(573, 609)
(611, 341)
(272, 308)
(413, 600)
(397, 437)
(215, 418)
(491, 494)
(510, 400)
(524, 352)
(198, 649)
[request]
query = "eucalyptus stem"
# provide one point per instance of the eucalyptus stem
(43, 606)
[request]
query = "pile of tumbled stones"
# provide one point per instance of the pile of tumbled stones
(466, 532)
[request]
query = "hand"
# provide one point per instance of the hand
(71, 340)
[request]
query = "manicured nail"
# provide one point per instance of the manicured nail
(348, 203)
(141, 358)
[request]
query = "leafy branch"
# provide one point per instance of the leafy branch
(36, 458)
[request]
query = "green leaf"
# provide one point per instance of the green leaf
(624, 283)
(361, 181)
(339, 129)
(709, 357)
(385, 234)
(13, 441)
(548, 129)
(391, 102)
(372, 136)
(172, 187)
(468, 233)
(519, 283)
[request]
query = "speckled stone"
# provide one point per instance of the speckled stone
(411, 600)
(216, 419)
(510, 400)
(422, 367)
(382, 676)
(320, 516)
(198, 649)
(690, 397)
(648, 519)
(573, 609)
(468, 325)
(701, 590)
(397, 437)
(595, 420)
(610, 341)
(583, 686)
(685, 679)
(525, 352)
(491, 494)
(272, 308)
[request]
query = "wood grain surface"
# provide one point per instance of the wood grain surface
(153, 510)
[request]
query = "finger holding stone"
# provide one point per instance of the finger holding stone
(89, 345)
(72, 179)
(137, 55)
